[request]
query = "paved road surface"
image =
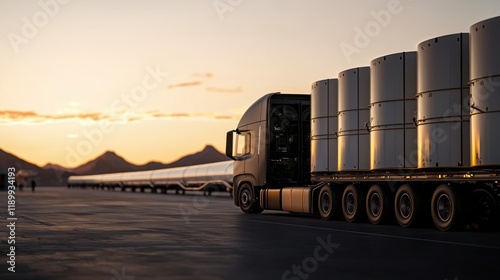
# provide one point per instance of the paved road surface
(93, 234)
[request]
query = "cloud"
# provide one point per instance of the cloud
(16, 117)
(10, 115)
(186, 84)
(225, 90)
(227, 117)
(203, 75)
(17, 114)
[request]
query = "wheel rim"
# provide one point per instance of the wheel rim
(350, 203)
(444, 207)
(375, 204)
(405, 206)
(245, 198)
(325, 202)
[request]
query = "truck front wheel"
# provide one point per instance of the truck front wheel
(246, 199)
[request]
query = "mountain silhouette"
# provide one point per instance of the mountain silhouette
(56, 167)
(207, 155)
(108, 162)
(10, 160)
(47, 176)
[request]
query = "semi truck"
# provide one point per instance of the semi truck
(411, 138)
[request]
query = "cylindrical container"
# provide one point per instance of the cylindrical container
(324, 124)
(393, 135)
(443, 127)
(354, 114)
(485, 92)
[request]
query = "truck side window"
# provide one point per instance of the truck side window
(243, 144)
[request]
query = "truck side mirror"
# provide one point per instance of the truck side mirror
(229, 144)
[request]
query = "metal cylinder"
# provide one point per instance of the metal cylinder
(354, 114)
(393, 135)
(485, 92)
(324, 124)
(443, 127)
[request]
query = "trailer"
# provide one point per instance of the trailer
(409, 138)
(208, 178)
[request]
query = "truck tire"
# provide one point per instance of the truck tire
(407, 206)
(377, 205)
(447, 209)
(352, 203)
(484, 210)
(246, 199)
(329, 203)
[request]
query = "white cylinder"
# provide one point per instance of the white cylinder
(393, 135)
(485, 92)
(354, 114)
(324, 124)
(443, 128)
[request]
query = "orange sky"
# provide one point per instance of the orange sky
(154, 80)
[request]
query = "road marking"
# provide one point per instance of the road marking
(381, 235)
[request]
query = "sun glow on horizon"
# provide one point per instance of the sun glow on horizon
(167, 78)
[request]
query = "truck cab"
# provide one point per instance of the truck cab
(271, 148)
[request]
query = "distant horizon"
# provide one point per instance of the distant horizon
(117, 153)
(157, 79)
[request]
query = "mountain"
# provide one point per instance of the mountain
(56, 167)
(44, 176)
(153, 165)
(108, 162)
(208, 155)
(10, 160)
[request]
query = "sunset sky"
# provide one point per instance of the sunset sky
(157, 79)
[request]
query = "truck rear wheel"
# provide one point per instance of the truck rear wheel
(407, 206)
(446, 209)
(329, 203)
(377, 205)
(352, 203)
(484, 210)
(246, 199)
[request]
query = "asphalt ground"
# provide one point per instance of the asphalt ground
(92, 234)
